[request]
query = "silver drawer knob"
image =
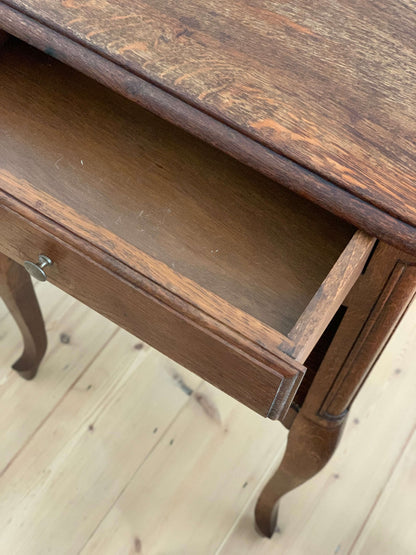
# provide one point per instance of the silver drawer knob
(36, 270)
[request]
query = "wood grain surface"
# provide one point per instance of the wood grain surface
(205, 216)
(187, 332)
(324, 305)
(328, 87)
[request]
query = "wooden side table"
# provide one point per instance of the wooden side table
(223, 267)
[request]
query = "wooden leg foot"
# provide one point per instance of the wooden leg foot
(266, 516)
(310, 446)
(17, 292)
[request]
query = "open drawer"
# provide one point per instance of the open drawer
(213, 264)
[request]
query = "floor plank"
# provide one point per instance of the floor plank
(135, 454)
(200, 475)
(24, 405)
(61, 485)
(391, 527)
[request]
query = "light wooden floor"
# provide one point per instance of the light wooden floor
(114, 449)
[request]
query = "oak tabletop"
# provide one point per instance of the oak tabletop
(327, 88)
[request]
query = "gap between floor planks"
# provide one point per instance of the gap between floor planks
(190, 487)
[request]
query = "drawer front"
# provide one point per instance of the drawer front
(114, 290)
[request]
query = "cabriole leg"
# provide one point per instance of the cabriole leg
(373, 309)
(310, 445)
(17, 292)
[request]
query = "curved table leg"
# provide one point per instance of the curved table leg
(309, 447)
(374, 307)
(17, 292)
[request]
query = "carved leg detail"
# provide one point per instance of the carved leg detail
(17, 292)
(310, 445)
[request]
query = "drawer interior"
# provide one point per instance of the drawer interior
(206, 216)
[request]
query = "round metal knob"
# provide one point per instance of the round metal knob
(36, 270)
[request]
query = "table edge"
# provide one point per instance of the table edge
(279, 168)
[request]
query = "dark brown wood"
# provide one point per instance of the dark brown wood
(322, 308)
(205, 216)
(17, 292)
(309, 447)
(234, 363)
(110, 189)
(374, 308)
(346, 152)
(381, 324)
(3, 37)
